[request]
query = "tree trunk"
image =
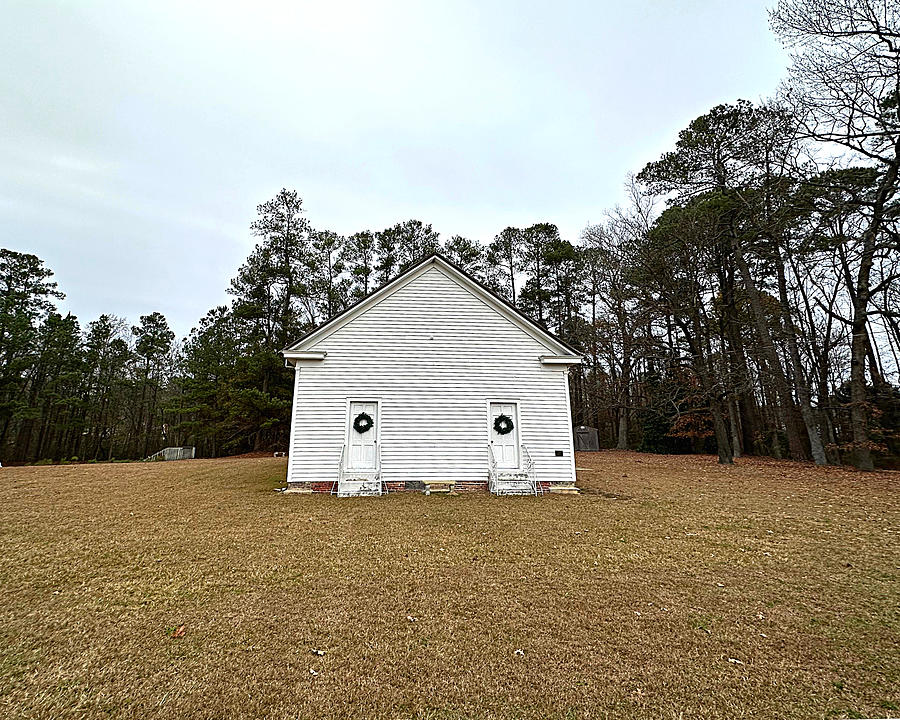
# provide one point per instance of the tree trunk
(803, 394)
(782, 388)
(859, 416)
(704, 373)
(624, 381)
(622, 443)
(734, 421)
(723, 443)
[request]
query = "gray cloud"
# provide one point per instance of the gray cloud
(137, 139)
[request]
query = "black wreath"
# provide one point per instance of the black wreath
(503, 424)
(363, 423)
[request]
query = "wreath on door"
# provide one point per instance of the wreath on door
(503, 424)
(363, 423)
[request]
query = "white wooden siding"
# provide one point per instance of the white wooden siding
(434, 355)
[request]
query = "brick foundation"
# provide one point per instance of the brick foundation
(394, 486)
(470, 486)
(322, 486)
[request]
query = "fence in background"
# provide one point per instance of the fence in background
(173, 453)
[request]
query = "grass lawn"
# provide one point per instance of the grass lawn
(670, 588)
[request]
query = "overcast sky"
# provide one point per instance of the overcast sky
(136, 139)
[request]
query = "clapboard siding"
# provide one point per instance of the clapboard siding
(433, 354)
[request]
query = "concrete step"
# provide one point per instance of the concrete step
(513, 486)
(441, 487)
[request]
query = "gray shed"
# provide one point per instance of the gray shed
(587, 439)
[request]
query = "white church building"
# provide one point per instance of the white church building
(431, 383)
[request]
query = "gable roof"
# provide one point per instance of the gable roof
(454, 272)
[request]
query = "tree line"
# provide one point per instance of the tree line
(742, 300)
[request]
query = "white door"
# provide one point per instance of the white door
(362, 442)
(505, 445)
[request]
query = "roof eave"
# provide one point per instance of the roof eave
(292, 357)
(560, 359)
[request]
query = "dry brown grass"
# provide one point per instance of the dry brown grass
(632, 600)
